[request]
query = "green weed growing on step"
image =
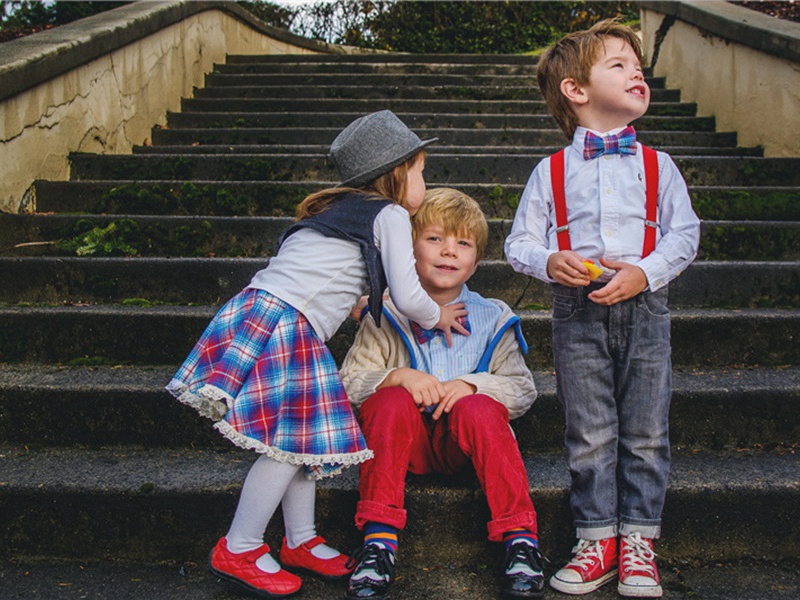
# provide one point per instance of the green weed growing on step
(111, 240)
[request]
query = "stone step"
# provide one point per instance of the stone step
(674, 151)
(702, 338)
(387, 67)
(147, 235)
(152, 281)
(263, 198)
(260, 86)
(258, 76)
(415, 121)
(101, 406)
(386, 58)
(467, 137)
(484, 168)
(748, 579)
(166, 504)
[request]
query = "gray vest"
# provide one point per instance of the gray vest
(352, 218)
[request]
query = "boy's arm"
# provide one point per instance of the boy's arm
(373, 355)
(526, 247)
(509, 381)
(680, 228)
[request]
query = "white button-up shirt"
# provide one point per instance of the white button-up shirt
(606, 214)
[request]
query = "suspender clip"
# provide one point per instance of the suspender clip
(562, 228)
(652, 224)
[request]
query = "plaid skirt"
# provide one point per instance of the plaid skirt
(261, 368)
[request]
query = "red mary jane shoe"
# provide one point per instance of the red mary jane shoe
(241, 570)
(301, 559)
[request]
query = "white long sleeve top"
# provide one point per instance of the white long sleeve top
(323, 277)
(606, 213)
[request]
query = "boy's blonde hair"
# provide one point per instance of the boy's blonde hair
(573, 57)
(456, 213)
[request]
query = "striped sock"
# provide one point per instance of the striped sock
(520, 534)
(384, 535)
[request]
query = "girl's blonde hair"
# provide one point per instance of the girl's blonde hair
(456, 213)
(572, 57)
(391, 186)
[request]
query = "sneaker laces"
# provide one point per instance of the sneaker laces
(637, 555)
(373, 562)
(525, 558)
(586, 551)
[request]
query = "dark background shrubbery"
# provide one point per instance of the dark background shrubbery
(436, 26)
(22, 17)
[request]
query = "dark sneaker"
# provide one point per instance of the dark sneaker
(374, 572)
(524, 572)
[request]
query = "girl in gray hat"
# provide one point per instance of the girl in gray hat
(262, 370)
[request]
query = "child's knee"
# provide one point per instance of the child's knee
(479, 410)
(388, 406)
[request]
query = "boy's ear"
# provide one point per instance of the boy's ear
(573, 91)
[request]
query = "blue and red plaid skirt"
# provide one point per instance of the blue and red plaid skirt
(261, 368)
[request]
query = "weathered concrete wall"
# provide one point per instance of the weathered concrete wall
(124, 70)
(738, 65)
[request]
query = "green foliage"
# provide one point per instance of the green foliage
(22, 17)
(438, 27)
(112, 240)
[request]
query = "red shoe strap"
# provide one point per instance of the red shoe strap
(253, 555)
(313, 542)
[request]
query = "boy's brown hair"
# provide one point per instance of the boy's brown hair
(572, 57)
(456, 213)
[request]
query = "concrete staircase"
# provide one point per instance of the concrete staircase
(99, 463)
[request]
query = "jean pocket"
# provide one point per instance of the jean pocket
(655, 303)
(564, 307)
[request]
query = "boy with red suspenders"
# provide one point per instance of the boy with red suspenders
(609, 223)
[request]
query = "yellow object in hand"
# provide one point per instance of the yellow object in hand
(594, 270)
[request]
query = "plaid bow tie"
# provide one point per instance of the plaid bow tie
(623, 142)
(426, 335)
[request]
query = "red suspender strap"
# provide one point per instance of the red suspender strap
(651, 202)
(557, 181)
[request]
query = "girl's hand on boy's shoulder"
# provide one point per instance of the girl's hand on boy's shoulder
(567, 268)
(454, 390)
(628, 281)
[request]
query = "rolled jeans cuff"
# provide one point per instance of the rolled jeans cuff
(649, 531)
(499, 526)
(595, 534)
(368, 511)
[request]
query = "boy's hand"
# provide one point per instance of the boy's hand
(567, 268)
(454, 391)
(628, 281)
(425, 389)
(447, 320)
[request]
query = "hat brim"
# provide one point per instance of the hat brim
(364, 178)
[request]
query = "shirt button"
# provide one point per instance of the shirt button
(610, 232)
(609, 190)
(439, 372)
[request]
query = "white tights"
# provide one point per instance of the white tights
(268, 484)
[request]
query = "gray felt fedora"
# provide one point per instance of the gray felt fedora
(373, 145)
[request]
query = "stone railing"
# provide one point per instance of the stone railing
(100, 84)
(738, 65)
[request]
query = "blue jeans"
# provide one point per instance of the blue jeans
(614, 378)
